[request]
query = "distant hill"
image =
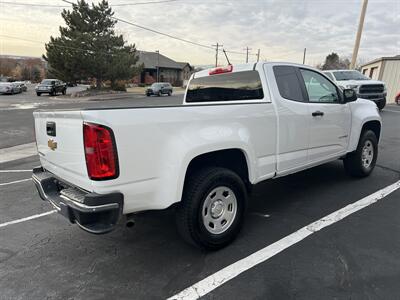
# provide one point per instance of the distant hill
(19, 57)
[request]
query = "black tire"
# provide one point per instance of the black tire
(197, 190)
(53, 93)
(64, 91)
(353, 162)
(38, 94)
(159, 94)
(381, 104)
(169, 93)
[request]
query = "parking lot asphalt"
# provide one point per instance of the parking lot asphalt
(16, 119)
(356, 258)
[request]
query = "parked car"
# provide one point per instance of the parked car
(397, 98)
(238, 126)
(159, 88)
(364, 86)
(22, 85)
(9, 88)
(51, 86)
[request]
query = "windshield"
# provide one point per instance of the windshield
(156, 85)
(48, 82)
(349, 75)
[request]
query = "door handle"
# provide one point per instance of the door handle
(317, 113)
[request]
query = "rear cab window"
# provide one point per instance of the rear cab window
(236, 86)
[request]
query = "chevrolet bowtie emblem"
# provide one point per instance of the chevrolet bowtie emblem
(52, 144)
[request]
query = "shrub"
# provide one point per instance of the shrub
(118, 85)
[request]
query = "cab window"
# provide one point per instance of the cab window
(319, 89)
(288, 83)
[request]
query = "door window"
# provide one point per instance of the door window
(288, 83)
(319, 89)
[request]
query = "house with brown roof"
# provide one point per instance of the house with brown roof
(159, 68)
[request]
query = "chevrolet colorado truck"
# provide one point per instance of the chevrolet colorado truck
(237, 126)
(365, 87)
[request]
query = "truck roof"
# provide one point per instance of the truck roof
(242, 67)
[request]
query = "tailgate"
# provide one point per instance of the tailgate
(59, 138)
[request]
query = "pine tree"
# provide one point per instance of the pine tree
(88, 46)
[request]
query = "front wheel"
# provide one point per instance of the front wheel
(361, 162)
(211, 212)
(38, 94)
(64, 91)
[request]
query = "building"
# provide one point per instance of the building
(177, 73)
(386, 69)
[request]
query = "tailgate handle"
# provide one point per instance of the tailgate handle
(51, 128)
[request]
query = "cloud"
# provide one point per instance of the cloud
(281, 29)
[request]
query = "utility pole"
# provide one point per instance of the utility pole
(216, 52)
(158, 65)
(258, 55)
(359, 32)
(247, 54)
(304, 56)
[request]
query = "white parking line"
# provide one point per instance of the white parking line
(217, 279)
(17, 181)
(27, 218)
(17, 152)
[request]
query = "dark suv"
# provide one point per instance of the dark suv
(51, 86)
(159, 88)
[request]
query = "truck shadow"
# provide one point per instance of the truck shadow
(151, 261)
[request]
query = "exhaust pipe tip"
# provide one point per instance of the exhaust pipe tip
(130, 222)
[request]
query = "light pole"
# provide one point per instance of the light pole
(358, 36)
(158, 65)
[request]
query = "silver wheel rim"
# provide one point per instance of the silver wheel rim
(367, 154)
(219, 210)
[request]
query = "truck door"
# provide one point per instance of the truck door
(292, 111)
(329, 119)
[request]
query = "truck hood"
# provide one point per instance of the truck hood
(358, 82)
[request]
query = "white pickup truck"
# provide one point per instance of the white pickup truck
(365, 87)
(238, 125)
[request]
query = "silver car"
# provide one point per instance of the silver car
(9, 88)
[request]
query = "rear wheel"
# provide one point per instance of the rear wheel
(64, 91)
(169, 93)
(38, 94)
(211, 212)
(361, 162)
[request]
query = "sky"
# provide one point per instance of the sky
(281, 29)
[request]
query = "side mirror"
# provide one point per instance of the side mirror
(349, 95)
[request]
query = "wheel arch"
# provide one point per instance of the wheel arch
(234, 159)
(373, 125)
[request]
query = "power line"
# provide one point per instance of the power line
(174, 37)
(162, 33)
(66, 6)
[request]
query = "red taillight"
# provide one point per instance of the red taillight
(221, 70)
(100, 152)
